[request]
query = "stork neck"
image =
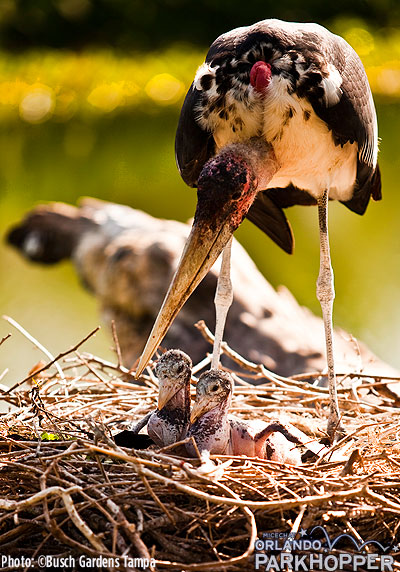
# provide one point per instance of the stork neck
(179, 403)
(229, 182)
(212, 431)
(259, 156)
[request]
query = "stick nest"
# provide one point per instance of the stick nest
(67, 489)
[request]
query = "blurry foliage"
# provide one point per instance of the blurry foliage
(118, 55)
(90, 92)
(41, 85)
(153, 24)
(49, 437)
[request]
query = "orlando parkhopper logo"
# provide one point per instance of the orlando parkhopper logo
(278, 551)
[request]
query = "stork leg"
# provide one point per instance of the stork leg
(326, 295)
(223, 300)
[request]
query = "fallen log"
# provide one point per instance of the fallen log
(126, 258)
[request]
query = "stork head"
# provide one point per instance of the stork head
(213, 392)
(227, 187)
(225, 191)
(173, 371)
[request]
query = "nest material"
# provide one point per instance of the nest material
(82, 495)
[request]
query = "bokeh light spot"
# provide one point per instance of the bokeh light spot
(164, 89)
(37, 104)
(388, 81)
(107, 96)
(361, 40)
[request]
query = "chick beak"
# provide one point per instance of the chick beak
(166, 392)
(200, 407)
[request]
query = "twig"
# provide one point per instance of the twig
(116, 342)
(380, 499)
(34, 499)
(154, 496)
(295, 529)
(232, 561)
(92, 370)
(80, 523)
(348, 468)
(314, 500)
(40, 346)
(202, 364)
(4, 339)
(295, 380)
(257, 368)
(348, 438)
(56, 359)
(130, 529)
(4, 373)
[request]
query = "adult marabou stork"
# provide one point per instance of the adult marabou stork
(280, 114)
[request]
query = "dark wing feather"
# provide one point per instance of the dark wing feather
(193, 145)
(290, 196)
(271, 219)
(352, 119)
(368, 184)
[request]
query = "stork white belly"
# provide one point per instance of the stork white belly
(306, 151)
(302, 142)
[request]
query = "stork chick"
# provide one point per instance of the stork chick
(170, 422)
(215, 431)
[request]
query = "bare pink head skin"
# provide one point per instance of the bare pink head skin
(260, 76)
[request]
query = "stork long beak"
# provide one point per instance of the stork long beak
(202, 248)
(167, 392)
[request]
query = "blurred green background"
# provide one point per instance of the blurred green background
(90, 93)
